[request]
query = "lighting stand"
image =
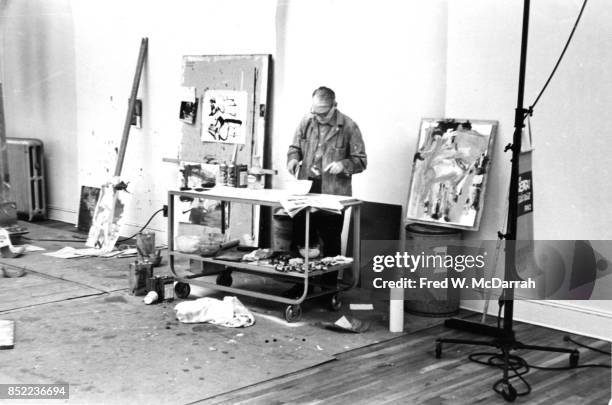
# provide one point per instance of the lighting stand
(504, 338)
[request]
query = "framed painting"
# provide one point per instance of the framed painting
(449, 172)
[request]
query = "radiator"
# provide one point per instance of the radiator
(27, 177)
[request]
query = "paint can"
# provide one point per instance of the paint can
(241, 176)
(168, 287)
(231, 175)
(223, 174)
(138, 275)
(145, 244)
(163, 286)
(156, 283)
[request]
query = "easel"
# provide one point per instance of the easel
(105, 227)
(131, 105)
(504, 338)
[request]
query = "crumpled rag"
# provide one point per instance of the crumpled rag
(230, 312)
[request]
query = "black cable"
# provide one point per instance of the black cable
(570, 367)
(569, 339)
(569, 39)
(518, 365)
(143, 227)
(53, 240)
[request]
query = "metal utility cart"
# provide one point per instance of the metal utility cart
(270, 198)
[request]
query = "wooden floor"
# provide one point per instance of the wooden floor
(405, 371)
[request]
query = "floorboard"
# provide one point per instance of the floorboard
(405, 371)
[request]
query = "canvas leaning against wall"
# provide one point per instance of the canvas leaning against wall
(449, 172)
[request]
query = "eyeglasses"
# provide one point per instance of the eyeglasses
(321, 114)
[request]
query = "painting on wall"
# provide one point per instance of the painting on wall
(449, 172)
(189, 105)
(224, 115)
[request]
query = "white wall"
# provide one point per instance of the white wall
(571, 162)
(108, 36)
(68, 70)
(37, 58)
(385, 60)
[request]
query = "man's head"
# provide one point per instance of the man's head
(323, 104)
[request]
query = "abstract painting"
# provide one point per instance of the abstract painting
(107, 218)
(449, 172)
(224, 115)
(87, 206)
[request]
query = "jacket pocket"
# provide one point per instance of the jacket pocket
(338, 154)
(340, 141)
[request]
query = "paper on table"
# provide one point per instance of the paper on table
(294, 204)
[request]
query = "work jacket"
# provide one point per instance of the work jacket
(343, 143)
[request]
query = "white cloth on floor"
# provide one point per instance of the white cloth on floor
(229, 312)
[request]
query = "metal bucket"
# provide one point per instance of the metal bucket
(282, 231)
(439, 302)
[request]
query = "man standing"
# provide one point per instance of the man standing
(328, 149)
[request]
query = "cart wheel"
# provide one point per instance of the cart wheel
(335, 302)
(293, 313)
(182, 290)
(224, 279)
(438, 350)
(573, 359)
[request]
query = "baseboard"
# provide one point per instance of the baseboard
(557, 315)
(62, 214)
(70, 217)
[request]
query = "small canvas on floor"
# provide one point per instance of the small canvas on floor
(7, 334)
(108, 214)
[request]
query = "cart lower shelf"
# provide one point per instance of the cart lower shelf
(224, 281)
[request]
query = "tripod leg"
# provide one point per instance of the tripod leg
(574, 355)
(520, 345)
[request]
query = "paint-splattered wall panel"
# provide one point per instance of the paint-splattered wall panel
(232, 93)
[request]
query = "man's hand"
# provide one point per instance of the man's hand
(292, 166)
(334, 168)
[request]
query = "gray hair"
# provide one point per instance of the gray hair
(325, 93)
